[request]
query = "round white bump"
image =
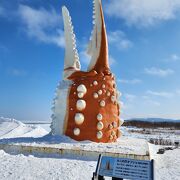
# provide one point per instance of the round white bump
(91, 85)
(95, 83)
(80, 105)
(99, 117)
(79, 118)
(95, 95)
(100, 126)
(108, 93)
(100, 92)
(82, 88)
(95, 72)
(110, 126)
(71, 109)
(74, 92)
(114, 124)
(113, 133)
(111, 137)
(76, 131)
(80, 95)
(99, 134)
(119, 111)
(113, 98)
(103, 86)
(104, 78)
(102, 103)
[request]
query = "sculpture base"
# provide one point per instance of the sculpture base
(64, 146)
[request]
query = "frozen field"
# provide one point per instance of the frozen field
(18, 166)
(159, 136)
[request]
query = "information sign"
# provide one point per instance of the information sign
(125, 168)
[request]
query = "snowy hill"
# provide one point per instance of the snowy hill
(11, 128)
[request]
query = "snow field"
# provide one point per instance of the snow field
(15, 166)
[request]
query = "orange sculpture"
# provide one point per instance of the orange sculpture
(86, 105)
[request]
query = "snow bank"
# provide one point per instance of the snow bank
(167, 164)
(15, 167)
(11, 128)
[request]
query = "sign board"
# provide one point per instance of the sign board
(125, 168)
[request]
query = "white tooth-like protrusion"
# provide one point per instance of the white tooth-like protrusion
(76, 56)
(71, 53)
(78, 64)
(73, 36)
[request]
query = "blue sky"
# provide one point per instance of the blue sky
(144, 49)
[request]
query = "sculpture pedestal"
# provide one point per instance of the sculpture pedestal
(66, 147)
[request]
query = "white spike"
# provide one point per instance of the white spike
(93, 48)
(72, 28)
(71, 52)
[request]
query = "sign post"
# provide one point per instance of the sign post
(124, 168)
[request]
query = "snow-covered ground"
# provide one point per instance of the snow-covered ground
(167, 165)
(163, 136)
(22, 167)
(17, 166)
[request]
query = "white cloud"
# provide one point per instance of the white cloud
(149, 101)
(175, 57)
(112, 61)
(178, 92)
(146, 97)
(42, 24)
(160, 94)
(119, 40)
(17, 72)
(143, 12)
(158, 72)
(172, 58)
(1, 11)
(130, 97)
(153, 103)
(132, 81)
(84, 57)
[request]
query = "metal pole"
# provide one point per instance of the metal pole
(114, 178)
(152, 169)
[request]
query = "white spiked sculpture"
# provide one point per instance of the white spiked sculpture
(86, 106)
